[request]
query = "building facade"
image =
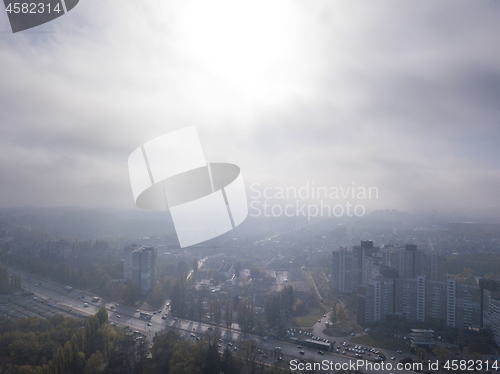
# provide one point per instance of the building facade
(139, 265)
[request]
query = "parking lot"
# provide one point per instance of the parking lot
(26, 304)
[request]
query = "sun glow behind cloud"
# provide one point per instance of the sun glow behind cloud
(256, 50)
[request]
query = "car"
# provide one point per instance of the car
(159, 311)
(321, 352)
(400, 352)
(149, 324)
(299, 347)
(319, 321)
(393, 358)
(112, 323)
(193, 335)
(163, 317)
(352, 334)
(278, 348)
(112, 307)
(324, 315)
(302, 352)
(236, 349)
(118, 316)
(137, 311)
(85, 305)
(343, 352)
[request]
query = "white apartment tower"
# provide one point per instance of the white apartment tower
(451, 302)
(421, 298)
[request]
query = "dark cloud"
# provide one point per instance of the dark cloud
(402, 96)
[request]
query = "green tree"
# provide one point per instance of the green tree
(217, 312)
(195, 265)
(228, 313)
(245, 315)
(102, 315)
(341, 313)
(95, 364)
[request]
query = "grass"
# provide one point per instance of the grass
(312, 316)
(306, 321)
(338, 331)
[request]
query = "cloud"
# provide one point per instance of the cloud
(402, 96)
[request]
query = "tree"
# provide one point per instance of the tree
(460, 340)
(300, 308)
(228, 313)
(181, 269)
(102, 315)
(212, 361)
(199, 307)
(195, 265)
(237, 269)
(333, 315)
(217, 312)
(94, 364)
(341, 313)
(272, 309)
(178, 296)
(246, 315)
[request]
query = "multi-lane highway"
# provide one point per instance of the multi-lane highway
(127, 316)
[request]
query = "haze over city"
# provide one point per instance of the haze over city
(403, 98)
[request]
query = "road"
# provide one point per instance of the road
(319, 326)
(127, 316)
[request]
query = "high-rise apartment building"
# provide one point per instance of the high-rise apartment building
(139, 265)
(492, 313)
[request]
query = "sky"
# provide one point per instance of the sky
(398, 95)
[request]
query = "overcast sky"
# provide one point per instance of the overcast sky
(401, 95)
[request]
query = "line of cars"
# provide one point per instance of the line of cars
(359, 351)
